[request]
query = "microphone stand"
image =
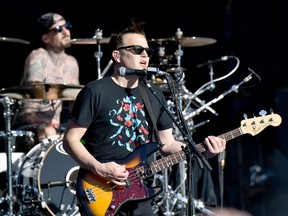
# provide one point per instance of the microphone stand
(221, 160)
(189, 149)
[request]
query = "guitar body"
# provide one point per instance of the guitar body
(99, 197)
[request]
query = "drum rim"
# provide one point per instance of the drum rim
(18, 133)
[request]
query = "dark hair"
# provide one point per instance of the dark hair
(116, 39)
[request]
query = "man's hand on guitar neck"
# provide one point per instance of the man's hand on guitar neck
(214, 145)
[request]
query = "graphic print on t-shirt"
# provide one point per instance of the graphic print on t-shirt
(128, 121)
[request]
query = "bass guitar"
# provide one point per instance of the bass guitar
(100, 197)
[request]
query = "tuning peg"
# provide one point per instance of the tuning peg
(271, 111)
(262, 113)
(245, 116)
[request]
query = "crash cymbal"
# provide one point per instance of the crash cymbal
(186, 41)
(43, 91)
(15, 40)
(90, 41)
(196, 41)
(161, 41)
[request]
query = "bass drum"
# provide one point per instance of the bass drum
(46, 180)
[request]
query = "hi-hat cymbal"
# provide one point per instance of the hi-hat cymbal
(43, 91)
(90, 41)
(15, 40)
(186, 41)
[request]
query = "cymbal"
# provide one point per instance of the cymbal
(161, 41)
(175, 69)
(16, 40)
(196, 41)
(43, 91)
(90, 41)
(162, 83)
(186, 41)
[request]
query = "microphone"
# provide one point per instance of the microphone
(209, 62)
(122, 71)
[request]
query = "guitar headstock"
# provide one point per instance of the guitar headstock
(255, 125)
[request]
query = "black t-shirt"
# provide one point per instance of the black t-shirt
(116, 119)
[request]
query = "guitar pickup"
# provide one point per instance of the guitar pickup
(89, 194)
(128, 183)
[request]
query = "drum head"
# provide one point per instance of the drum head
(52, 174)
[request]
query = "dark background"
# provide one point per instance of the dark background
(253, 31)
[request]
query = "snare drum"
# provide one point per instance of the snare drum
(21, 141)
(47, 176)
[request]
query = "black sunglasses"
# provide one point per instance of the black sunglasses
(138, 50)
(59, 29)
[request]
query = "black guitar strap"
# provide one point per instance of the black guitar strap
(147, 103)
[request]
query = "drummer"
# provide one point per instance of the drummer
(48, 63)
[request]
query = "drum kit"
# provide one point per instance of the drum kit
(33, 182)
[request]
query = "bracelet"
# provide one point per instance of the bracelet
(57, 126)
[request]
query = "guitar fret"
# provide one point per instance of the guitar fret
(154, 167)
(174, 155)
(231, 135)
(169, 161)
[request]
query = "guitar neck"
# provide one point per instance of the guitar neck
(180, 156)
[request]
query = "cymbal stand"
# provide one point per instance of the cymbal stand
(179, 53)
(98, 54)
(167, 190)
(7, 102)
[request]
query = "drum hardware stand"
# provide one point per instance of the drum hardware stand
(98, 54)
(176, 199)
(182, 175)
(110, 63)
(179, 53)
(7, 102)
(30, 194)
(183, 95)
(161, 55)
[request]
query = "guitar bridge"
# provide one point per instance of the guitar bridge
(89, 194)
